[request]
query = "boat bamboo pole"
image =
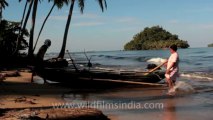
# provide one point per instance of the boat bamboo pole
(155, 68)
(127, 82)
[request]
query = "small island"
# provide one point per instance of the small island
(154, 38)
(210, 45)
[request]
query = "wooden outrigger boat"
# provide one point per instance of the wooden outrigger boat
(96, 76)
(92, 76)
(71, 76)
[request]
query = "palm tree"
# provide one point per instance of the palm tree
(3, 4)
(59, 4)
(102, 4)
(25, 8)
(30, 49)
(24, 25)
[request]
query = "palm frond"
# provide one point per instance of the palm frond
(81, 5)
(105, 4)
(3, 3)
(102, 4)
(60, 3)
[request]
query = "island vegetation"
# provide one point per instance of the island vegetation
(154, 38)
(210, 45)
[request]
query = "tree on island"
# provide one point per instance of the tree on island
(210, 45)
(154, 38)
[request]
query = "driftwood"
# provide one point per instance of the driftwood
(24, 99)
(54, 114)
(2, 77)
(11, 74)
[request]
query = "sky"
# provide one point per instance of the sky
(94, 30)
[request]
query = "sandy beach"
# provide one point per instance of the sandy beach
(18, 97)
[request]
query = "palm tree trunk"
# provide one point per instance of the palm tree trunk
(30, 49)
(22, 19)
(62, 52)
(43, 25)
(24, 27)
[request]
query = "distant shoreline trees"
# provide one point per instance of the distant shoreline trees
(210, 45)
(154, 38)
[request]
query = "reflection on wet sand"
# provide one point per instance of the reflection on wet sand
(169, 109)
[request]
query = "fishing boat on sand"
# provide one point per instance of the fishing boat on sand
(97, 75)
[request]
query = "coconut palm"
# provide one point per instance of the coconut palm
(3, 4)
(25, 8)
(30, 49)
(24, 22)
(59, 4)
(102, 4)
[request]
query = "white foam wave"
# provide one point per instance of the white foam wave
(197, 76)
(68, 59)
(182, 87)
(156, 60)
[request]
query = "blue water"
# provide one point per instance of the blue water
(192, 60)
(196, 69)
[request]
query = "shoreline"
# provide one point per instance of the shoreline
(19, 95)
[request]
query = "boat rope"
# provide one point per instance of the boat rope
(89, 60)
(76, 69)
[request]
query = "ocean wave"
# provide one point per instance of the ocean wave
(208, 57)
(198, 64)
(198, 76)
(112, 57)
(198, 52)
(134, 58)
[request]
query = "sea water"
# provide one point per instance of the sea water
(194, 86)
(195, 63)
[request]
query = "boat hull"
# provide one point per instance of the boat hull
(72, 77)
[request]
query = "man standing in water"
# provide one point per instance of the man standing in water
(172, 68)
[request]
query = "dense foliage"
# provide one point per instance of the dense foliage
(210, 45)
(154, 38)
(8, 37)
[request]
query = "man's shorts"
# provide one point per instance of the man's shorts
(173, 75)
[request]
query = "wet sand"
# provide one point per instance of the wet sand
(19, 96)
(192, 106)
(13, 89)
(18, 92)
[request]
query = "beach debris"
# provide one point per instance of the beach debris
(12, 74)
(24, 99)
(55, 114)
(2, 77)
